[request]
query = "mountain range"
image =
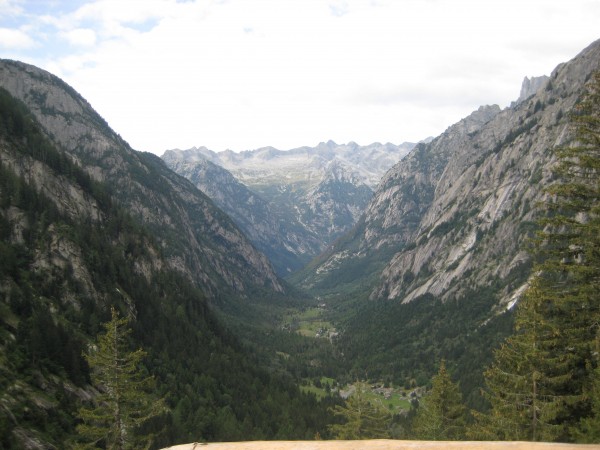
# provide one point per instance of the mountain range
(457, 212)
(291, 204)
(414, 253)
(440, 253)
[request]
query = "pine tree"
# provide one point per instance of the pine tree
(362, 418)
(441, 414)
(589, 427)
(571, 246)
(522, 382)
(539, 383)
(125, 402)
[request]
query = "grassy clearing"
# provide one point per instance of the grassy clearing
(308, 322)
(322, 389)
(392, 399)
(311, 389)
(394, 403)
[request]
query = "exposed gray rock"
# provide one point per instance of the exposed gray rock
(456, 213)
(530, 86)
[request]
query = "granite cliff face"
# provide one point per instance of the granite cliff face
(198, 239)
(456, 213)
(291, 204)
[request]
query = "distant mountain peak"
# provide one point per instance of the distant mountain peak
(292, 203)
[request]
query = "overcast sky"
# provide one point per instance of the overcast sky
(244, 74)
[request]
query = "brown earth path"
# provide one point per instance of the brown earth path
(379, 444)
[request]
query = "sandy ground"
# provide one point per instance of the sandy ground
(378, 444)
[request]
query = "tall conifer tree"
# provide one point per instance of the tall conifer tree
(540, 382)
(125, 402)
(571, 247)
(523, 379)
(362, 419)
(442, 414)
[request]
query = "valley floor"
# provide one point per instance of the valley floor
(378, 444)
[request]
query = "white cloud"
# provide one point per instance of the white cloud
(15, 39)
(339, 8)
(249, 73)
(10, 8)
(80, 37)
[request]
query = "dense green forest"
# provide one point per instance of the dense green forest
(232, 369)
(404, 343)
(215, 386)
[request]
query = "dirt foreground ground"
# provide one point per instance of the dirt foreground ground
(378, 444)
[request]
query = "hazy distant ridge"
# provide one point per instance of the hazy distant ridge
(292, 204)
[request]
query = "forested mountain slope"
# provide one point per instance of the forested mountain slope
(86, 225)
(198, 240)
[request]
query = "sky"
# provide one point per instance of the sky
(245, 74)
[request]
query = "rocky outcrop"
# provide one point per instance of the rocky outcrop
(529, 87)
